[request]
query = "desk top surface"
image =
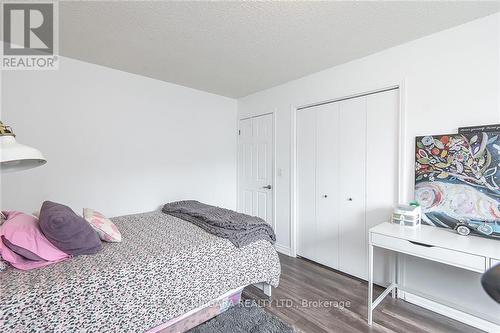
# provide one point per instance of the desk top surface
(441, 237)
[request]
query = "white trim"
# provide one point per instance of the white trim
(275, 171)
(237, 162)
(402, 172)
(455, 314)
(334, 100)
(293, 192)
(401, 86)
(402, 177)
(257, 115)
(283, 249)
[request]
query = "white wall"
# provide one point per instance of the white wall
(117, 142)
(451, 80)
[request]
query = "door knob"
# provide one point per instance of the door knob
(350, 199)
(268, 187)
(325, 196)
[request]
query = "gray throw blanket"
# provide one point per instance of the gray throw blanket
(239, 229)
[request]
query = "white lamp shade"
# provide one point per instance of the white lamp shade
(16, 157)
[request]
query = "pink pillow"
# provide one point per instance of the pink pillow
(106, 229)
(23, 231)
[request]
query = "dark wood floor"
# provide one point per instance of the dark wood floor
(303, 280)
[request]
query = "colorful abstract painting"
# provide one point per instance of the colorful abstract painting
(457, 181)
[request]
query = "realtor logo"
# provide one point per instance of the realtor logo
(29, 35)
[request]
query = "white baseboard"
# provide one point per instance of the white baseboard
(447, 311)
(283, 249)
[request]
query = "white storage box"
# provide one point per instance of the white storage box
(407, 215)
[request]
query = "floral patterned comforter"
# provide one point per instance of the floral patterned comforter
(163, 268)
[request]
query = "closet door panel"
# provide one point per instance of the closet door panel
(382, 175)
(327, 168)
(352, 173)
(306, 183)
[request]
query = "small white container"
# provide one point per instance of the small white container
(406, 215)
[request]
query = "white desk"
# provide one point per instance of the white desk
(440, 245)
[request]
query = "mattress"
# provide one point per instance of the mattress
(163, 268)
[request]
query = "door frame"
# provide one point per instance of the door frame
(273, 159)
(402, 177)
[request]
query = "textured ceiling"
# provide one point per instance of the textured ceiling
(237, 48)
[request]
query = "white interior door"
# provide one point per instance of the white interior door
(256, 160)
(306, 183)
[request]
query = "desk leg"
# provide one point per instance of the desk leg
(395, 273)
(370, 284)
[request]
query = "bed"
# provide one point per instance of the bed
(164, 268)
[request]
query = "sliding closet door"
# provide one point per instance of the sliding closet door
(306, 183)
(352, 194)
(327, 184)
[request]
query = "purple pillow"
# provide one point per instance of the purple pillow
(67, 231)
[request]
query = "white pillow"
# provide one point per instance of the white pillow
(106, 229)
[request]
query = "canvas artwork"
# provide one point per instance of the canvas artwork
(457, 181)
